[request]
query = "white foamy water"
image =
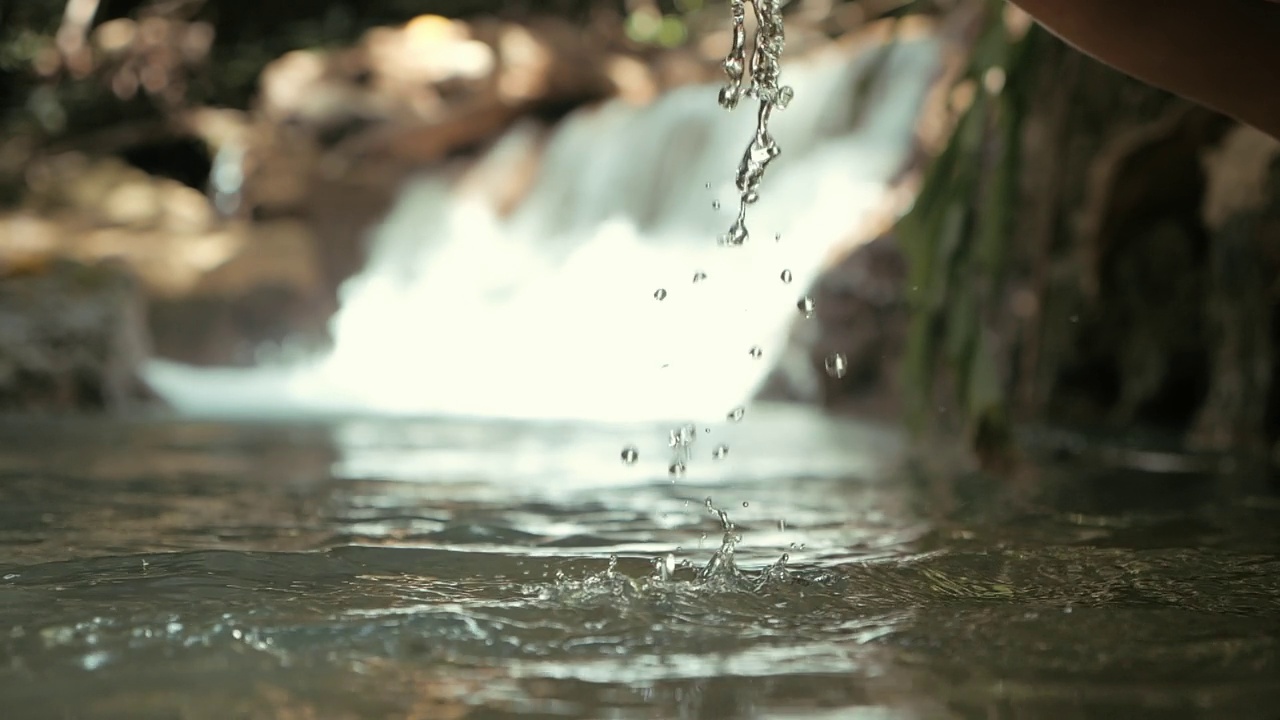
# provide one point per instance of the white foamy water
(551, 311)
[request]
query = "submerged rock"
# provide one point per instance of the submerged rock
(72, 337)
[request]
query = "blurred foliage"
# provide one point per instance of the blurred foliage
(135, 62)
(246, 36)
(957, 239)
(162, 56)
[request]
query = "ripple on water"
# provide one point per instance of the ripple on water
(375, 596)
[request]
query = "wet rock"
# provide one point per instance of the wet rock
(1241, 209)
(403, 98)
(72, 337)
(861, 313)
(217, 290)
(267, 293)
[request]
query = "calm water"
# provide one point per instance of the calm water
(459, 569)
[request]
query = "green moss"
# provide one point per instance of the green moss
(957, 239)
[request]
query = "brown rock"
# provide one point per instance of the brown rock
(268, 292)
(72, 337)
(217, 290)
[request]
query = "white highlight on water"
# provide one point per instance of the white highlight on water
(550, 312)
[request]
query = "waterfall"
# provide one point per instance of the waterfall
(550, 310)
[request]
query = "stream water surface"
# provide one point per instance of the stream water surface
(415, 568)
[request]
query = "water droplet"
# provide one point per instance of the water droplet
(715, 204)
(784, 97)
(777, 237)
(630, 455)
(806, 306)
(745, 503)
(786, 276)
(782, 523)
(721, 452)
(728, 97)
(756, 352)
(737, 234)
(707, 502)
(1075, 318)
(837, 365)
(707, 185)
(683, 436)
(699, 276)
(659, 294)
(735, 415)
(677, 469)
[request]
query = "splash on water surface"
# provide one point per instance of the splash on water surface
(481, 568)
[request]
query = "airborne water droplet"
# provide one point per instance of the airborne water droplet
(728, 97)
(756, 352)
(745, 503)
(715, 204)
(733, 67)
(806, 306)
(735, 415)
(786, 276)
(737, 234)
(721, 452)
(659, 294)
(837, 365)
(683, 436)
(777, 237)
(699, 276)
(677, 469)
(630, 455)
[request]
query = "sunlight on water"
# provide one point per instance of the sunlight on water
(551, 312)
(449, 568)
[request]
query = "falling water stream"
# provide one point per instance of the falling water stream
(552, 310)
(511, 549)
